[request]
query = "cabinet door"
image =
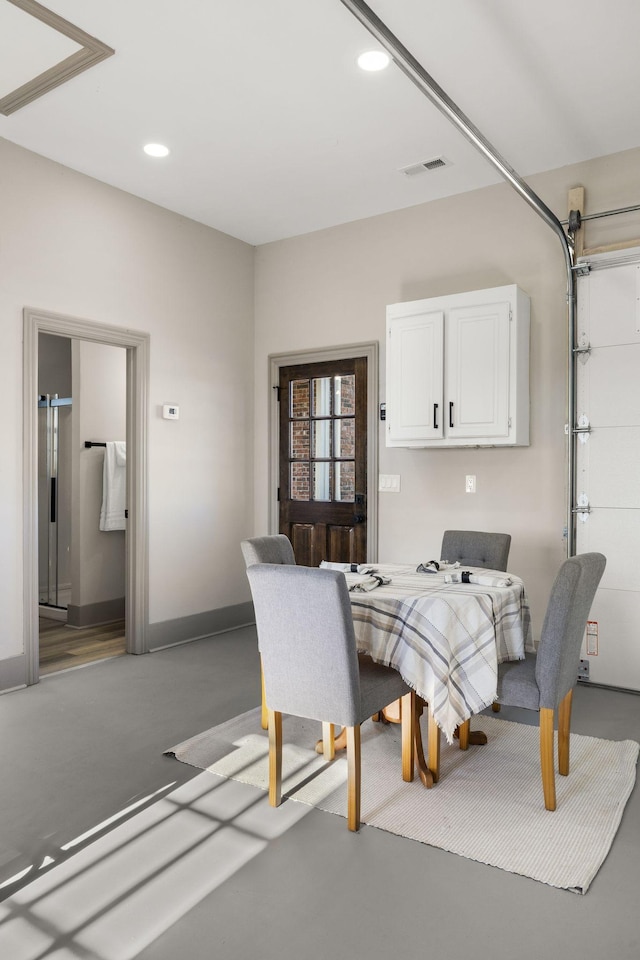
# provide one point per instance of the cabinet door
(414, 378)
(477, 371)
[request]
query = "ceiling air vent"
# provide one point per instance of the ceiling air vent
(436, 163)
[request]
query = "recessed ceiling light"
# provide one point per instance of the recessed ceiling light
(156, 150)
(374, 60)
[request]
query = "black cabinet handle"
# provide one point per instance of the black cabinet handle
(451, 413)
(52, 513)
(435, 416)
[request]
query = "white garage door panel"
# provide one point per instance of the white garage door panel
(608, 459)
(616, 533)
(617, 613)
(610, 386)
(611, 458)
(612, 307)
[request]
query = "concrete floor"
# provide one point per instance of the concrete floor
(82, 746)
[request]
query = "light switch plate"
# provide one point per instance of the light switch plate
(389, 483)
(170, 411)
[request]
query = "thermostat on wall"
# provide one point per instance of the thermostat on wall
(170, 411)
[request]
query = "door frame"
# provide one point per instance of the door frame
(371, 352)
(136, 345)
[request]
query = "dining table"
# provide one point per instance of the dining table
(444, 633)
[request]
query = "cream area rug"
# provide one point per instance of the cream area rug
(488, 805)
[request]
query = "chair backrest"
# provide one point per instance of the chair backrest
(476, 549)
(272, 549)
(307, 642)
(558, 654)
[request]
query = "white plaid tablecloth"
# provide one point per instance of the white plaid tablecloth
(445, 640)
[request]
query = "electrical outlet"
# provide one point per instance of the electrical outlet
(583, 670)
(592, 638)
(470, 484)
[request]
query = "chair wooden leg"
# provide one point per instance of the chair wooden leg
(564, 731)
(546, 757)
(408, 720)
(463, 734)
(328, 741)
(264, 719)
(275, 757)
(353, 777)
(433, 747)
(495, 706)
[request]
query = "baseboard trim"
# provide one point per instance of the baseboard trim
(608, 686)
(94, 614)
(13, 674)
(53, 613)
(197, 626)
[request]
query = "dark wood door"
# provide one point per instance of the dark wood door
(323, 460)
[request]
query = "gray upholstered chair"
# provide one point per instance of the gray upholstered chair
(312, 668)
(476, 549)
(545, 681)
(270, 549)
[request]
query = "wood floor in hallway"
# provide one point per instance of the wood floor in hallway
(62, 647)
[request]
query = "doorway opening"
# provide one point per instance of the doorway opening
(132, 622)
(81, 556)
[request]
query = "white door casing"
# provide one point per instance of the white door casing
(137, 576)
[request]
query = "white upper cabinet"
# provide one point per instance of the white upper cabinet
(458, 370)
(415, 375)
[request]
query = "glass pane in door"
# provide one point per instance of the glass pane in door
(321, 439)
(299, 430)
(344, 395)
(321, 397)
(345, 438)
(299, 481)
(345, 480)
(321, 481)
(299, 399)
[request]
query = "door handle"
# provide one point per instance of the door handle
(359, 518)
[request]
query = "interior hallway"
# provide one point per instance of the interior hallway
(85, 744)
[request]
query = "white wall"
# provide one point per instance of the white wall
(98, 559)
(72, 245)
(332, 287)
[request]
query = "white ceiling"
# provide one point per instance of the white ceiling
(273, 129)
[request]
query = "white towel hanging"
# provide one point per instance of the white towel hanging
(114, 486)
